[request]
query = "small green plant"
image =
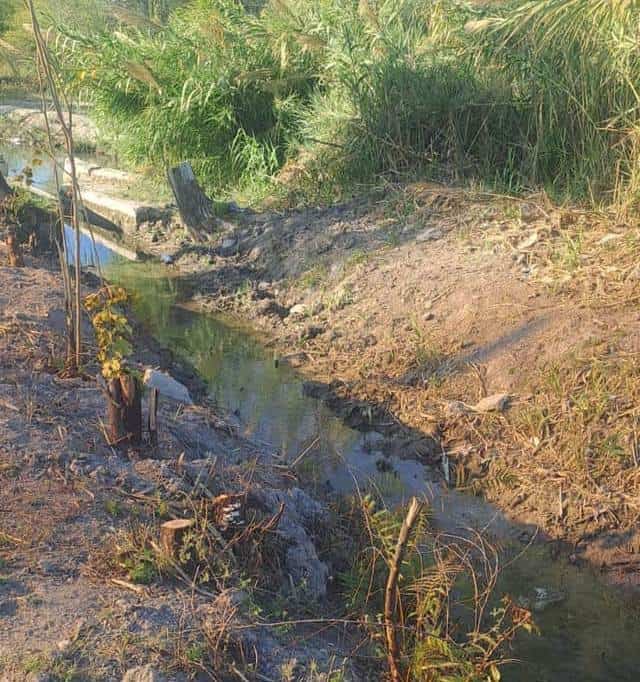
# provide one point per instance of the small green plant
(113, 508)
(196, 652)
(435, 580)
(314, 277)
(569, 255)
(142, 567)
(340, 298)
(357, 257)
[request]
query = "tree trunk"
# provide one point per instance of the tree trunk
(196, 209)
(124, 411)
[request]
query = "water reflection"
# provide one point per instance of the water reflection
(18, 158)
(92, 253)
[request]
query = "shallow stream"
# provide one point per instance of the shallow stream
(593, 635)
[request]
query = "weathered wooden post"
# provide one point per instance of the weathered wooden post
(153, 417)
(196, 209)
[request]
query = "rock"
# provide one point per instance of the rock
(299, 310)
(48, 567)
(541, 599)
(166, 258)
(528, 213)
(493, 403)
(611, 237)
(228, 247)
(308, 572)
(429, 235)
(8, 607)
(373, 440)
(143, 673)
(255, 253)
(64, 645)
(167, 386)
(269, 306)
(310, 331)
(456, 408)
(528, 242)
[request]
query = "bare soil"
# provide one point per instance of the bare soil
(81, 594)
(408, 308)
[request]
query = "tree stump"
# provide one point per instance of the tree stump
(196, 209)
(5, 190)
(172, 536)
(124, 411)
(13, 247)
(10, 227)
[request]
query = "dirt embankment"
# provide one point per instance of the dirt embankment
(84, 593)
(409, 309)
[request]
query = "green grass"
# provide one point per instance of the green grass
(515, 95)
(351, 92)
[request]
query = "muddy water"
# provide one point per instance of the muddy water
(593, 635)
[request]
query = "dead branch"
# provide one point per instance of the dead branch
(391, 590)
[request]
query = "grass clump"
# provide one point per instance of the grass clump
(437, 580)
(319, 98)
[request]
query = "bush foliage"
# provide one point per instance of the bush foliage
(331, 93)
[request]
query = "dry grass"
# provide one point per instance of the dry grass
(570, 453)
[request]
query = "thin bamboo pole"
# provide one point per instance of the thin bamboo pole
(52, 83)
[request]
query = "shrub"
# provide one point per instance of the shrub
(343, 91)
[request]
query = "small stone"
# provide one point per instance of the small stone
(311, 331)
(8, 607)
(429, 235)
(167, 386)
(299, 310)
(493, 403)
(228, 247)
(63, 645)
(98, 472)
(544, 597)
(373, 440)
(143, 673)
(429, 316)
(166, 259)
(528, 242)
(528, 213)
(48, 567)
(456, 408)
(255, 253)
(611, 237)
(266, 306)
